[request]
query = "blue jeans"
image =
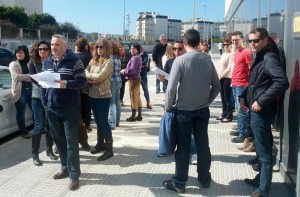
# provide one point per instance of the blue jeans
(157, 80)
(39, 115)
(114, 113)
(64, 125)
(21, 108)
(242, 115)
(185, 123)
(100, 107)
(193, 145)
(263, 139)
(144, 82)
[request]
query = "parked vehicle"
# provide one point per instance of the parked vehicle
(8, 123)
(6, 56)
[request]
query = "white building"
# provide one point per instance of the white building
(149, 26)
(30, 6)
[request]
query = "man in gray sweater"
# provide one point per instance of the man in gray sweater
(194, 80)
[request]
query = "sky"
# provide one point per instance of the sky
(107, 16)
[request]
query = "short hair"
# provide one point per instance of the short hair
(192, 37)
(238, 33)
(275, 36)
(179, 41)
(161, 36)
(26, 52)
(137, 46)
(60, 37)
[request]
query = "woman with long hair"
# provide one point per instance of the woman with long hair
(38, 56)
(98, 73)
(21, 86)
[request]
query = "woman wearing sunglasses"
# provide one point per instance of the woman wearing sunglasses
(39, 54)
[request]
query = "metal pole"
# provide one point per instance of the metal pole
(259, 14)
(204, 20)
(124, 23)
(193, 22)
(269, 15)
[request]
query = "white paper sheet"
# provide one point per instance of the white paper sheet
(161, 72)
(46, 79)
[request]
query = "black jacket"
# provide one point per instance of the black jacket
(267, 81)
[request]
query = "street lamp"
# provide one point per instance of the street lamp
(193, 14)
(204, 18)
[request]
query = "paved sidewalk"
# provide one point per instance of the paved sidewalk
(135, 170)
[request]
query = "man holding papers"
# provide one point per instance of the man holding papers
(62, 106)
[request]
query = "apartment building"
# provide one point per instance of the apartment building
(30, 6)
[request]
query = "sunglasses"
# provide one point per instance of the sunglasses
(43, 49)
(226, 44)
(254, 40)
(179, 49)
(99, 47)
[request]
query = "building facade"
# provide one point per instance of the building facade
(30, 6)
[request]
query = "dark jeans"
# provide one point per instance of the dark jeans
(64, 125)
(263, 139)
(21, 108)
(100, 107)
(144, 83)
(122, 89)
(157, 80)
(39, 115)
(226, 97)
(185, 123)
(85, 109)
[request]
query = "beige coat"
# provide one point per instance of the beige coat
(17, 78)
(99, 77)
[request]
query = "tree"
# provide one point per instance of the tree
(69, 29)
(14, 15)
(36, 20)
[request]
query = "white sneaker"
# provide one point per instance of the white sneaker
(194, 159)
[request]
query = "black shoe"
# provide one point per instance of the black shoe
(238, 139)
(98, 149)
(256, 194)
(169, 185)
(36, 160)
(61, 175)
(106, 155)
(234, 133)
(50, 154)
(205, 184)
(85, 146)
(253, 161)
(255, 167)
(131, 119)
(220, 118)
(26, 135)
(251, 182)
(139, 118)
(73, 184)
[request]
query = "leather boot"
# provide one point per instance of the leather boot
(108, 152)
(100, 146)
(250, 148)
(49, 144)
(132, 117)
(149, 106)
(139, 117)
(245, 144)
(36, 139)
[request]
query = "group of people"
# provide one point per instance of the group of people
(250, 80)
(90, 81)
(255, 82)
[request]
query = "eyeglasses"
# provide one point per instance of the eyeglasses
(254, 40)
(99, 47)
(43, 49)
(179, 49)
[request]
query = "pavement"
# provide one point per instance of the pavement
(135, 170)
